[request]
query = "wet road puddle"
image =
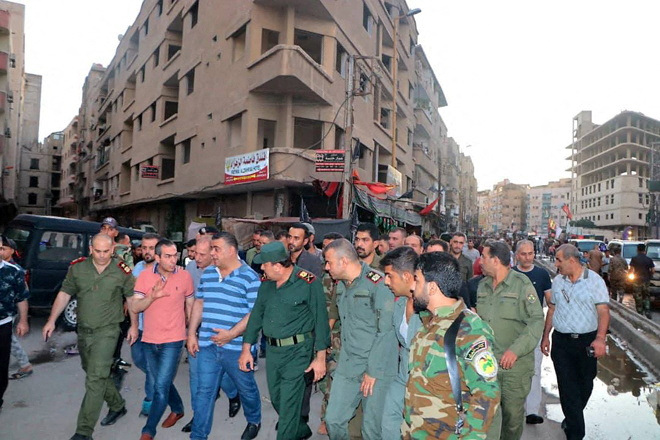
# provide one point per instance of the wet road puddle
(624, 402)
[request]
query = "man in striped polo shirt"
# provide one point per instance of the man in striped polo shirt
(579, 311)
(223, 301)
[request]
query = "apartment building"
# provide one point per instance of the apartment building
(505, 208)
(483, 207)
(610, 166)
(67, 204)
(545, 202)
(19, 93)
(222, 112)
(40, 174)
(468, 205)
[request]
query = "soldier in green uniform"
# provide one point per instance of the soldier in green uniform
(508, 302)
(367, 361)
(99, 283)
(290, 308)
(431, 410)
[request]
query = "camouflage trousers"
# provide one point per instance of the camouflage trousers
(641, 294)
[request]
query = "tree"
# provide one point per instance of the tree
(583, 223)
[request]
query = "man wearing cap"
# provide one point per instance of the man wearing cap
(290, 308)
(7, 250)
(311, 248)
(13, 299)
(298, 239)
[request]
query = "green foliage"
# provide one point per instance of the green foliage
(583, 223)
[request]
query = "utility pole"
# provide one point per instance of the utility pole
(347, 185)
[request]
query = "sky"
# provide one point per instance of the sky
(515, 72)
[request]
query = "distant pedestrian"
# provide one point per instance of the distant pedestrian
(643, 267)
(578, 310)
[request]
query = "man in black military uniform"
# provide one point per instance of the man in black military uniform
(291, 311)
(99, 283)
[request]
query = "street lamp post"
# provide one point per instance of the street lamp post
(395, 86)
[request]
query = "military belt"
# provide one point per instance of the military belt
(576, 335)
(291, 340)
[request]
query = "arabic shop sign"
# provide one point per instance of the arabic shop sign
(149, 172)
(330, 160)
(250, 167)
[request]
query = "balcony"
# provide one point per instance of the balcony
(4, 62)
(3, 141)
(290, 70)
(3, 101)
(5, 18)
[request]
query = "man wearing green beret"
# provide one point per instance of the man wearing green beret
(290, 309)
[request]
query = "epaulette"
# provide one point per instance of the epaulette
(78, 260)
(125, 267)
(374, 277)
(307, 276)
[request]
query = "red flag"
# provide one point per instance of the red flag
(429, 208)
(567, 210)
(374, 187)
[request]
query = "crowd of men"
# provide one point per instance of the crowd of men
(408, 339)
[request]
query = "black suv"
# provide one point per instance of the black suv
(46, 247)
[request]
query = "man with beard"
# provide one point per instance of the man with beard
(298, 240)
(456, 249)
(396, 237)
(431, 410)
(415, 242)
(149, 241)
(365, 242)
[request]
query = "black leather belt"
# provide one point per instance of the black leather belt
(576, 335)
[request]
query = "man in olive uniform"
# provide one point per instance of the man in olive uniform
(290, 308)
(617, 272)
(508, 302)
(456, 249)
(99, 283)
(644, 268)
(367, 361)
(430, 407)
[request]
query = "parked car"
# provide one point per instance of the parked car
(585, 244)
(628, 248)
(46, 247)
(653, 252)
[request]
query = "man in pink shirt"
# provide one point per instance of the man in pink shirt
(166, 295)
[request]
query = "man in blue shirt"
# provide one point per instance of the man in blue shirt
(540, 278)
(223, 302)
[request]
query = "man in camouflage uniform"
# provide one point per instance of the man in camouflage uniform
(617, 272)
(99, 283)
(643, 267)
(430, 406)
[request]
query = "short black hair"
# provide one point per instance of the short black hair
(150, 236)
(191, 243)
(438, 242)
(228, 238)
(459, 234)
(372, 229)
(442, 269)
(163, 242)
(281, 234)
(499, 250)
(257, 232)
(641, 247)
(120, 236)
(301, 226)
(332, 236)
(268, 234)
(402, 259)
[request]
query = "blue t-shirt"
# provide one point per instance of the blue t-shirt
(540, 278)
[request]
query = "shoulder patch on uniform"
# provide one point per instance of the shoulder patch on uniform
(125, 268)
(307, 276)
(531, 298)
(476, 348)
(78, 260)
(485, 364)
(374, 277)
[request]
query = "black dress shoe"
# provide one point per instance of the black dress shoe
(533, 419)
(251, 431)
(77, 436)
(234, 406)
(112, 416)
(188, 427)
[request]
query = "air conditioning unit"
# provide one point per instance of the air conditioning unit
(10, 97)
(8, 132)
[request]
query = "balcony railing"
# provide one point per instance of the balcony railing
(5, 17)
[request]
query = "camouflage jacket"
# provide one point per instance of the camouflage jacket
(430, 407)
(12, 289)
(618, 269)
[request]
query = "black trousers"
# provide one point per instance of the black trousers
(575, 377)
(5, 350)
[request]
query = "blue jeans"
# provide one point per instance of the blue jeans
(213, 364)
(227, 385)
(162, 363)
(140, 360)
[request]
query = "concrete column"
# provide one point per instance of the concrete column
(288, 122)
(328, 54)
(248, 204)
(249, 127)
(289, 25)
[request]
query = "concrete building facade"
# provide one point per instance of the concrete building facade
(545, 202)
(504, 208)
(40, 175)
(193, 88)
(67, 203)
(610, 164)
(468, 205)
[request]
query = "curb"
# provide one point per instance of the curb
(640, 333)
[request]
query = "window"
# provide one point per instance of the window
(171, 109)
(159, 8)
(307, 133)
(639, 215)
(410, 137)
(238, 43)
(190, 81)
(60, 247)
(34, 182)
(172, 49)
(599, 187)
(153, 111)
(185, 146)
(607, 184)
(310, 42)
(641, 182)
(146, 27)
(157, 57)
(266, 133)
(167, 169)
(340, 60)
(269, 39)
(143, 72)
(367, 18)
(194, 14)
(235, 131)
(639, 198)
(32, 198)
(385, 117)
(34, 164)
